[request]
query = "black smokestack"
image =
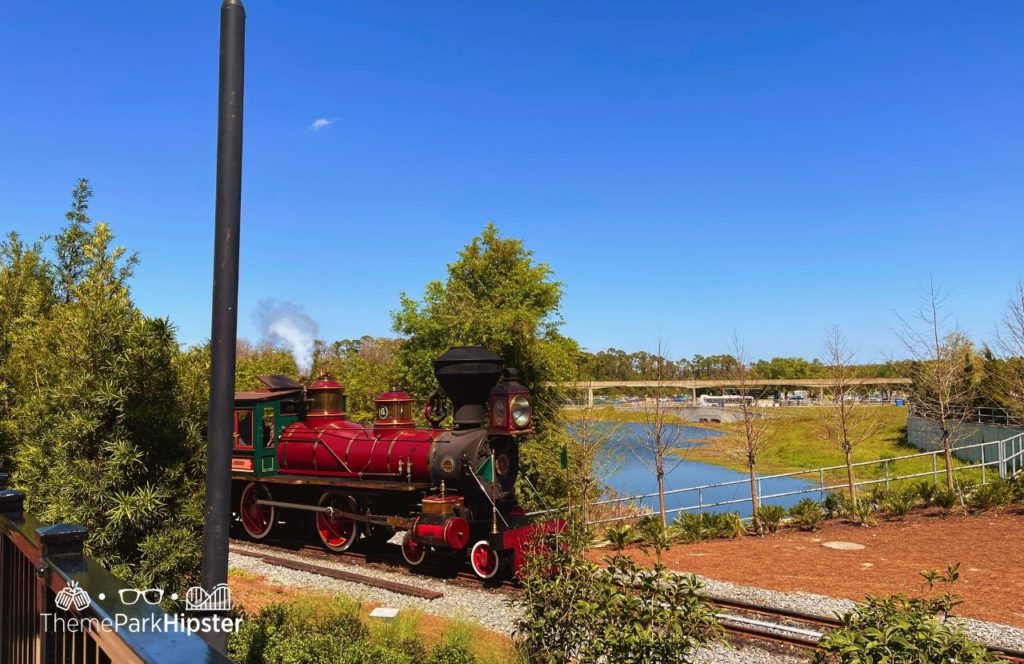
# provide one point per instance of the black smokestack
(467, 374)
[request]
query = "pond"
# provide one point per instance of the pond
(630, 471)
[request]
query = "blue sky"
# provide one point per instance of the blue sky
(687, 168)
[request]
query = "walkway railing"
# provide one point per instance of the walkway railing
(1006, 460)
(43, 570)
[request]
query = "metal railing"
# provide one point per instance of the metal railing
(1007, 461)
(980, 415)
(42, 570)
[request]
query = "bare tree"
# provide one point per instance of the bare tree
(658, 447)
(845, 421)
(752, 436)
(1011, 346)
(943, 386)
(591, 459)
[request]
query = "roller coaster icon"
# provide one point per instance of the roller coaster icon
(218, 599)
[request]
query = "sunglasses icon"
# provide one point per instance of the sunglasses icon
(150, 595)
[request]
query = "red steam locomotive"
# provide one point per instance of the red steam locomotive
(451, 490)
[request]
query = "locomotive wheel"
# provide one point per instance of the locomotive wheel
(257, 519)
(413, 551)
(337, 533)
(484, 560)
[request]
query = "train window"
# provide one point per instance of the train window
(269, 433)
(243, 428)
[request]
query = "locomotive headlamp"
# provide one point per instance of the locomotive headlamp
(521, 411)
(510, 409)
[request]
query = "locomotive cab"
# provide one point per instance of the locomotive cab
(260, 417)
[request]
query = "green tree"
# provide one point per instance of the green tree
(496, 295)
(366, 367)
(97, 432)
(261, 360)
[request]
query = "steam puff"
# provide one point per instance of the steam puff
(287, 323)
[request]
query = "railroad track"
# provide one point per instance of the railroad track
(795, 629)
(741, 620)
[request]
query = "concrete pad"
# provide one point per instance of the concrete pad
(843, 546)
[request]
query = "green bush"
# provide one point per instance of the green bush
(926, 491)
(945, 499)
(770, 517)
(899, 502)
(864, 513)
(807, 514)
(306, 630)
(992, 495)
(691, 528)
(619, 537)
(837, 504)
(899, 628)
(730, 525)
(401, 634)
(574, 609)
(1016, 484)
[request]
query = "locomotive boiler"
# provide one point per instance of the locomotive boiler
(452, 490)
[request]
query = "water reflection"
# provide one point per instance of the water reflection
(630, 471)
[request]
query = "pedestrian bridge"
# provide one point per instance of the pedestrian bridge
(819, 384)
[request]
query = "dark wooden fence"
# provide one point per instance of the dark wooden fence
(43, 570)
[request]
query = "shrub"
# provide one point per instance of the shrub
(993, 495)
(306, 630)
(926, 491)
(807, 514)
(876, 495)
(837, 504)
(455, 647)
(1016, 484)
(691, 528)
(864, 513)
(401, 634)
(620, 537)
(730, 525)
(573, 609)
(770, 517)
(650, 533)
(688, 528)
(899, 628)
(945, 499)
(899, 502)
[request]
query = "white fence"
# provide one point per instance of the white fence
(1005, 460)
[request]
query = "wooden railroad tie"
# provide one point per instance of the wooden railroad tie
(393, 586)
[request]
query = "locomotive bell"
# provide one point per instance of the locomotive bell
(467, 374)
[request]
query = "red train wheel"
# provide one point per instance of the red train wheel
(484, 560)
(257, 519)
(413, 551)
(336, 532)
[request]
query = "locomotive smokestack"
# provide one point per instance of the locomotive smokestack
(467, 374)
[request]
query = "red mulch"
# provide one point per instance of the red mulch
(989, 547)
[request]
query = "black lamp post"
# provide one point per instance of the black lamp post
(225, 302)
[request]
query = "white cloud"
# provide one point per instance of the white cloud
(320, 123)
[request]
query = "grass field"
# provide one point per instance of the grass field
(797, 444)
